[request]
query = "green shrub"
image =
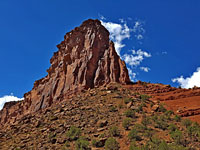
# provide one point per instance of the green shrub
(73, 133)
(126, 123)
(133, 135)
(172, 128)
(177, 147)
(187, 122)
(194, 130)
(139, 127)
(146, 121)
(177, 118)
(139, 109)
(113, 109)
(161, 124)
(82, 144)
(97, 143)
(114, 131)
(176, 136)
(162, 108)
(168, 114)
(163, 146)
(129, 113)
(111, 144)
(148, 133)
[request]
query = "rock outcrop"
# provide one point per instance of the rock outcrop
(85, 59)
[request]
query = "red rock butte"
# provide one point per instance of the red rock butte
(85, 59)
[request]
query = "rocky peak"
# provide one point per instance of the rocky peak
(86, 58)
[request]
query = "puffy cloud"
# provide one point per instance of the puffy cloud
(118, 32)
(8, 98)
(145, 69)
(136, 57)
(121, 31)
(189, 82)
(132, 75)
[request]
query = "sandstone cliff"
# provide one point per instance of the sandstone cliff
(85, 59)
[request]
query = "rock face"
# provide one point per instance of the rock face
(85, 59)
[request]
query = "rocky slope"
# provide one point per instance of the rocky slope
(85, 59)
(134, 120)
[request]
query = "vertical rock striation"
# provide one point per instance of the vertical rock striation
(85, 59)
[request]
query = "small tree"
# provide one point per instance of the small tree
(111, 144)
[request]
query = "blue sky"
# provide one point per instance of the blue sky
(30, 31)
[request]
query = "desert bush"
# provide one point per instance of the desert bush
(194, 130)
(187, 122)
(82, 144)
(111, 144)
(172, 128)
(176, 136)
(175, 146)
(126, 123)
(148, 133)
(113, 109)
(114, 131)
(139, 109)
(129, 113)
(163, 146)
(146, 121)
(177, 118)
(97, 143)
(139, 127)
(133, 135)
(73, 133)
(162, 108)
(161, 124)
(168, 114)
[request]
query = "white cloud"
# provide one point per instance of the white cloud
(121, 31)
(8, 98)
(118, 32)
(132, 75)
(145, 69)
(136, 57)
(189, 82)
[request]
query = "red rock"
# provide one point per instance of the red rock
(85, 59)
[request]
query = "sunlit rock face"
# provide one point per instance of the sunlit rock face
(85, 59)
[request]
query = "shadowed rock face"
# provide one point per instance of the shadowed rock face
(85, 59)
